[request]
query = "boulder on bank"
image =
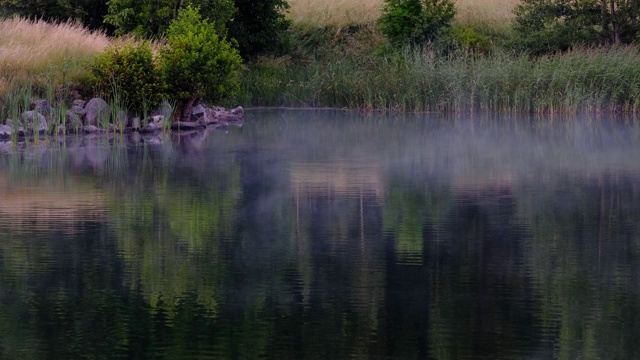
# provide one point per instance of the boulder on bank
(73, 119)
(34, 121)
(96, 111)
(5, 131)
(96, 116)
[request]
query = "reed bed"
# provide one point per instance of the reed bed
(584, 80)
(341, 13)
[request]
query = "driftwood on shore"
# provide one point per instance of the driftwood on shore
(96, 116)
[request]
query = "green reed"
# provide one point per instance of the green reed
(583, 80)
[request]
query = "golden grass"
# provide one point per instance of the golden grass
(346, 12)
(45, 54)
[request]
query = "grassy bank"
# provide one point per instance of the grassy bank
(45, 56)
(335, 62)
(43, 60)
(594, 80)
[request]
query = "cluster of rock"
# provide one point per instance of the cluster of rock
(96, 116)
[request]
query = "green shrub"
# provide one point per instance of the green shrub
(415, 21)
(470, 40)
(127, 71)
(198, 64)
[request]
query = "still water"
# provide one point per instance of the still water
(326, 235)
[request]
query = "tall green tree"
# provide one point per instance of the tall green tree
(545, 26)
(259, 26)
(152, 17)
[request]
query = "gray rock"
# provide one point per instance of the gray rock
(73, 119)
(165, 109)
(5, 131)
(150, 128)
(78, 110)
(90, 129)
(156, 119)
(34, 121)
(97, 111)
(42, 106)
(79, 103)
(135, 123)
(239, 111)
(204, 115)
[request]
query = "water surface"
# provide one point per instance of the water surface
(326, 235)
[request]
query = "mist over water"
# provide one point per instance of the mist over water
(326, 235)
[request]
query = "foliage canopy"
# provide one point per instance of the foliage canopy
(545, 26)
(152, 17)
(89, 12)
(415, 21)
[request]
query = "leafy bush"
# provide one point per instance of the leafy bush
(127, 71)
(259, 26)
(415, 21)
(198, 64)
(545, 26)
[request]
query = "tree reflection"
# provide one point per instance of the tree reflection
(224, 250)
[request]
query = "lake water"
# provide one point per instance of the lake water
(326, 235)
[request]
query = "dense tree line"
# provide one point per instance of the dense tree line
(545, 26)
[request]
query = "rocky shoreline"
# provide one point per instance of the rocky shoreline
(96, 116)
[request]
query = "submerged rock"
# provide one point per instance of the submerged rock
(90, 129)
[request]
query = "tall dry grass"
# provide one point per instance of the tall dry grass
(45, 55)
(347, 12)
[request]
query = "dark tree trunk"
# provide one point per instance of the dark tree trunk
(614, 23)
(605, 22)
(184, 108)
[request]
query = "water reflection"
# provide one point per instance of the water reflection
(325, 235)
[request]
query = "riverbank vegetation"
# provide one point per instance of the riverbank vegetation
(406, 55)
